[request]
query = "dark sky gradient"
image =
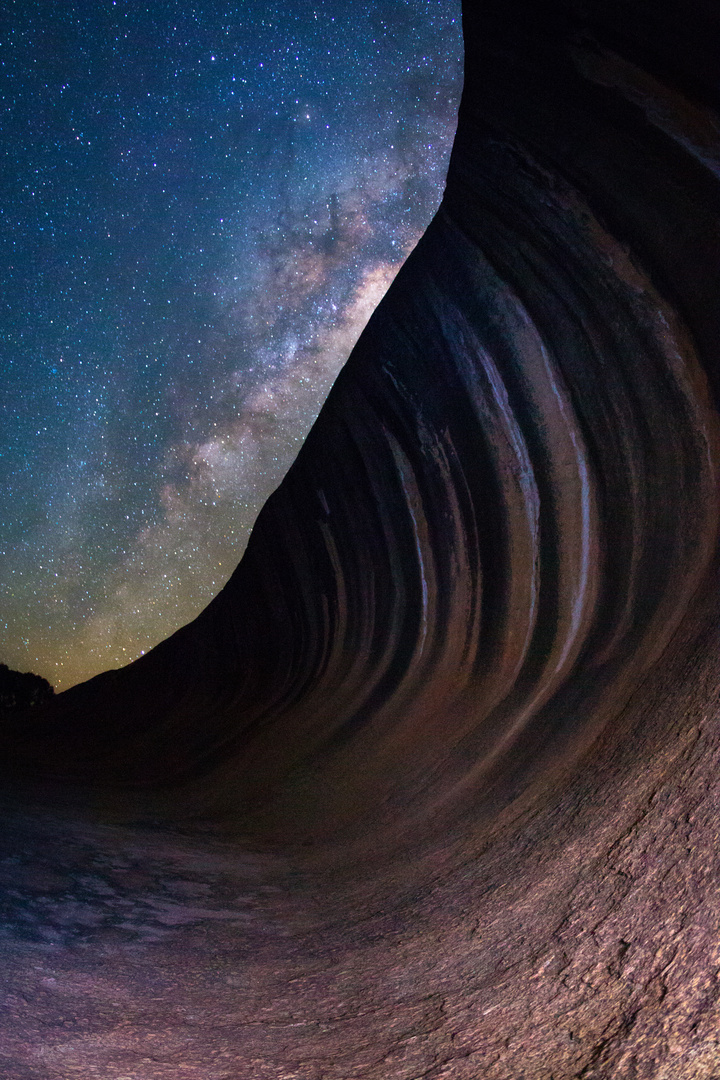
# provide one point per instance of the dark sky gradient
(201, 206)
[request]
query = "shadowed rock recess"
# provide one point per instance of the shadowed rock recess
(431, 788)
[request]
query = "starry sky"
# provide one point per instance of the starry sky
(202, 204)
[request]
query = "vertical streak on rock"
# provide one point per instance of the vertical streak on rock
(510, 497)
(475, 633)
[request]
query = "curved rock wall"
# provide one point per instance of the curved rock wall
(472, 637)
(510, 496)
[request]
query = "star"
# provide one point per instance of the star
(194, 235)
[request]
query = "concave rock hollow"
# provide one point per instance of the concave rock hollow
(430, 788)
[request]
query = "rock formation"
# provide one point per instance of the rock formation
(430, 789)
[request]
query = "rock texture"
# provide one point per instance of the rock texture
(430, 789)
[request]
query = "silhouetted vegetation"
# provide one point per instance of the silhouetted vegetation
(22, 690)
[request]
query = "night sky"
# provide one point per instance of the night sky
(202, 204)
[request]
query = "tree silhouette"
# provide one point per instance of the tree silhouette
(21, 690)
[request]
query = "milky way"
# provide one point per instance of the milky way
(202, 206)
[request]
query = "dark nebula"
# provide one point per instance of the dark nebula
(201, 207)
(430, 788)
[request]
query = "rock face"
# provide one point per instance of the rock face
(454, 718)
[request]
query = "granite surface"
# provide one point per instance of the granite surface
(431, 788)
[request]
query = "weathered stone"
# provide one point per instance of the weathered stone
(431, 788)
